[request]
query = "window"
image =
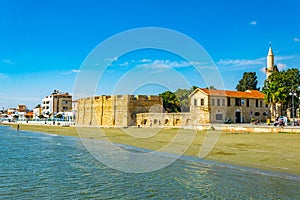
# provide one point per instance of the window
(223, 102)
(219, 116)
(265, 113)
(256, 113)
(218, 102)
(243, 101)
(237, 101)
(261, 103)
(256, 102)
(195, 102)
(213, 102)
(266, 105)
(202, 102)
(228, 101)
(247, 102)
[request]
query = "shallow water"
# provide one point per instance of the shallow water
(42, 166)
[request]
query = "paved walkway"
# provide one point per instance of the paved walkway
(256, 128)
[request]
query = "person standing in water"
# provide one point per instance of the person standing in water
(18, 127)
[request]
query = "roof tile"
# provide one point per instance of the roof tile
(254, 94)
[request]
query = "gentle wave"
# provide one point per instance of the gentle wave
(39, 166)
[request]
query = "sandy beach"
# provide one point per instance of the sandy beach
(268, 151)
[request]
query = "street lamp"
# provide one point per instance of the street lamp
(293, 93)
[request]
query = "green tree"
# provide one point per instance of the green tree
(248, 82)
(193, 88)
(170, 102)
(183, 96)
(273, 91)
(278, 86)
(211, 87)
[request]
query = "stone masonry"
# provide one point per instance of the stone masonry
(117, 110)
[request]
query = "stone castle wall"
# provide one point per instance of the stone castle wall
(163, 119)
(129, 110)
(118, 110)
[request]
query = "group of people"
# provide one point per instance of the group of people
(280, 121)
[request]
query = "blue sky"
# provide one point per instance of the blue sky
(44, 43)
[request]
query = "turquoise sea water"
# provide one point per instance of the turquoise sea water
(42, 166)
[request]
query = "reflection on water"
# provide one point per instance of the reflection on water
(41, 166)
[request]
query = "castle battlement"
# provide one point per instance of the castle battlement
(115, 110)
(142, 97)
(154, 97)
(124, 97)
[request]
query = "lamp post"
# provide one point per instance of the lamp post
(293, 93)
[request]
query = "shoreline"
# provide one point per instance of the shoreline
(265, 151)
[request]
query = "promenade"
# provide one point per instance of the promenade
(244, 127)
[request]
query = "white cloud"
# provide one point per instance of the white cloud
(7, 61)
(279, 58)
(111, 59)
(253, 23)
(75, 70)
(124, 64)
(241, 62)
(296, 40)
(70, 72)
(281, 66)
(145, 60)
(263, 70)
(165, 64)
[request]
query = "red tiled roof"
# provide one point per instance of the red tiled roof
(254, 94)
(29, 113)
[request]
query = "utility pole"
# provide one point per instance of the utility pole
(293, 93)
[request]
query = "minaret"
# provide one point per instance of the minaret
(270, 62)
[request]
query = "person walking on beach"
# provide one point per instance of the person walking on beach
(18, 127)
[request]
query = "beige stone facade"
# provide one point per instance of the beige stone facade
(163, 119)
(217, 106)
(206, 106)
(212, 106)
(118, 110)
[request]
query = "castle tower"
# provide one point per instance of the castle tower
(270, 63)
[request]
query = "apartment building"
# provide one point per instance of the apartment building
(55, 103)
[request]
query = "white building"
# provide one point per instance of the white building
(74, 109)
(37, 112)
(55, 103)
